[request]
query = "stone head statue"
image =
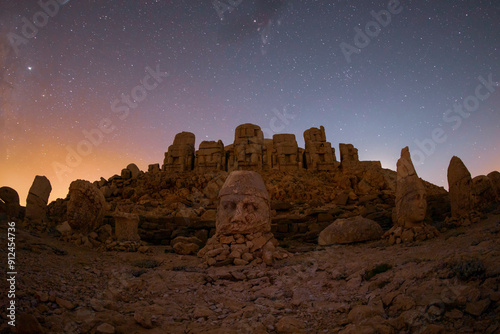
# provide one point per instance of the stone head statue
(243, 205)
(411, 200)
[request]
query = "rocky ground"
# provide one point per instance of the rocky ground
(447, 284)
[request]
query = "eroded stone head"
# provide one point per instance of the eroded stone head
(243, 205)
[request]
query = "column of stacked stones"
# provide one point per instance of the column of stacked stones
(243, 224)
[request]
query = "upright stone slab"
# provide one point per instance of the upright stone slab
(180, 155)
(319, 154)
(246, 153)
(36, 202)
(210, 156)
(286, 155)
(461, 194)
(411, 205)
(243, 226)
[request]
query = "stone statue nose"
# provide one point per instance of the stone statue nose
(238, 213)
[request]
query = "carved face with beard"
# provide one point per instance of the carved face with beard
(243, 205)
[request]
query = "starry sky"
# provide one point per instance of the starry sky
(96, 85)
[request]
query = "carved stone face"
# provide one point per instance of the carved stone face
(243, 205)
(242, 214)
(414, 207)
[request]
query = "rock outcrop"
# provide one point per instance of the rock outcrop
(350, 230)
(461, 193)
(319, 154)
(126, 226)
(243, 226)
(411, 205)
(286, 155)
(210, 156)
(180, 155)
(86, 206)
(36, 202)
(9, 202)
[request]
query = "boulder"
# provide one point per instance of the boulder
(134, 170)
(10, 200)
(461, 193)
(350, 230)
(86, 206)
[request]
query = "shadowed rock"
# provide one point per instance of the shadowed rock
(86, 206)
(36, 202)
(411, 205)
(9, 201)
(461, 193)
(350, 230)
(180, 155)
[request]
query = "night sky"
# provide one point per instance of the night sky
(114, 81)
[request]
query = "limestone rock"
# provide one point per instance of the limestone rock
(210, 156)
(36, 202)
(243, 225)
(86, 206)
(286, 155)
(411, 205)
(483, 191)
(134, 170)
(350, 230)
(154, 168)
(461, 193)
(319, 154)
(246, 153)
(10, 200)
(180, 155)
(126, 226)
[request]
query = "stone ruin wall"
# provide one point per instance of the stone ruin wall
(251, 151)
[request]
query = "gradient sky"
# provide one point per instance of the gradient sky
(255, 63)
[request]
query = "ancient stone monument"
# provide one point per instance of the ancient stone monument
(348, 155)
(319, 154)
(153, 168)
(210, 156)
(86, 206)
(9, 202)
(36, 202)
(180, 155)
(243, 225)
(411, 205)
(350, 230)
(286, 155)
(247, 149)
(461, 193)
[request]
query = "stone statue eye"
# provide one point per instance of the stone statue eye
(250, 207)
(229, 206)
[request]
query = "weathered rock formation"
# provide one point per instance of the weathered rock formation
(210, 156)
(319, 154)
(9, 202)
(411, 205)
(243, 227)
(286, 155)
(461, 193)
(247, 149)
(153, 168)
(484, 193)
(126, 226)
(494, 178)
(350, 230)
(36, 202)
(348, 155)
(180, 155)
(86, 206)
